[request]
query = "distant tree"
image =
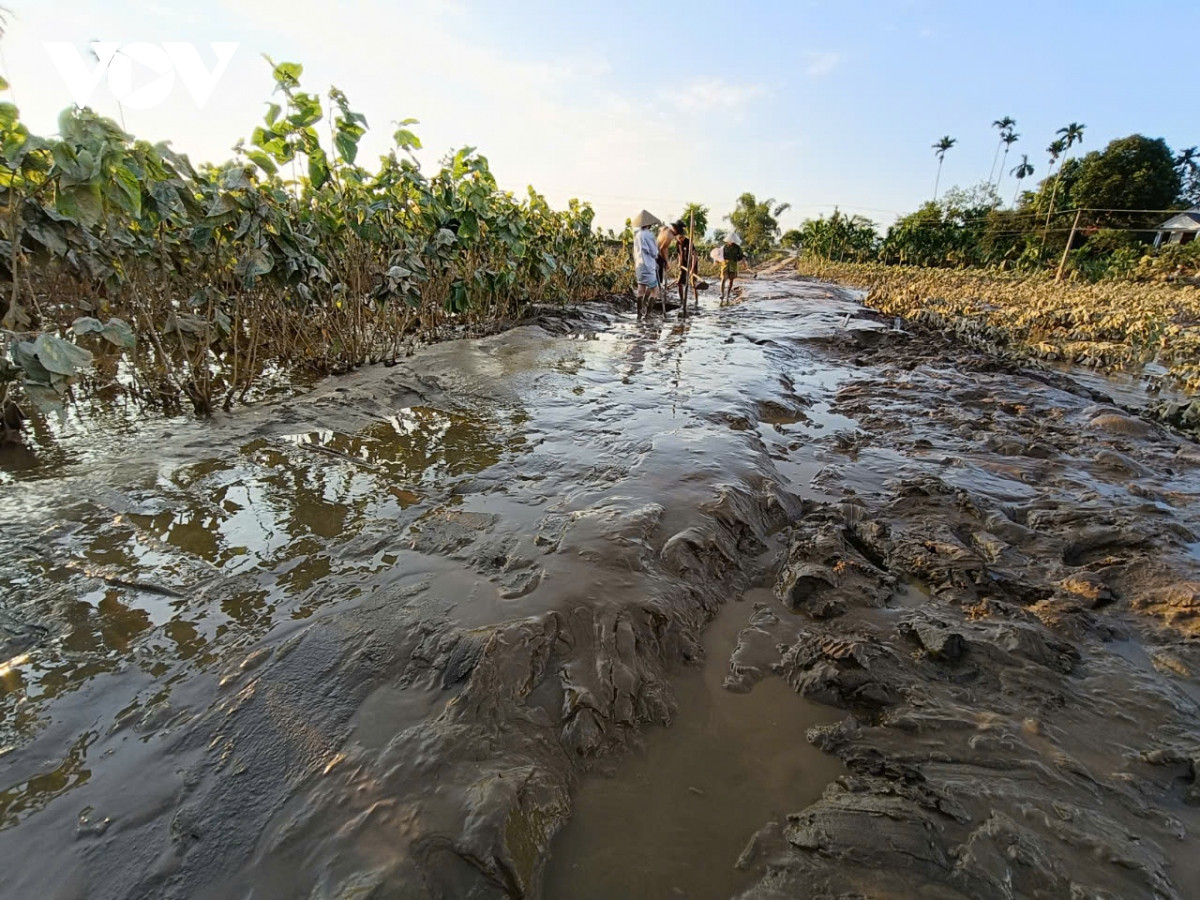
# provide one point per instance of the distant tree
(1005, 125)
(948, 233)
(1134, 173)
(793, 239)
(939, 150)
(757, 222)
(1021, 172)
(840, 237)
(1187, 164)
(1071, 135)
(719, 235)
(1008, 139)
(698, 214)
(1056, 149)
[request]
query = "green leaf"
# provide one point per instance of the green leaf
(3, 84)
(166, 198)
(81, 203)
(130, 195)
(318, 170)
(235, 179)
(9, 114)
(406, 140)
(263, 161)
(222, 204)
(287, 74)
(347, 145)
(273, 110)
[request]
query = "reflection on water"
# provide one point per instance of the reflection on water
(221, 548)
(36, 792)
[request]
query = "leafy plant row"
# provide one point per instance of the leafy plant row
(123, 264)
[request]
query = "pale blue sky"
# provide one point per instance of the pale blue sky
(649, 104)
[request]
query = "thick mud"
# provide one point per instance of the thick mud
(426, 628)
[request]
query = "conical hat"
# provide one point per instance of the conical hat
(645, 219)
(735, 238)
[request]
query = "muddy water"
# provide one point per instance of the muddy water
(674, 820)
(426, 628)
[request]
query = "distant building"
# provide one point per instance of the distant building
(1179, 229)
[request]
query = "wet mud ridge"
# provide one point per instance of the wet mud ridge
(386, 639)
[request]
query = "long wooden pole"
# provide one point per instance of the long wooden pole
(1067, 249)
(690, 284)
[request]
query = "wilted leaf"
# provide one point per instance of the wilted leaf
(117, 331)
(24, 355)
(44, 397)
(61, 357)
(87, 325)
(81, 203)
(256, 262)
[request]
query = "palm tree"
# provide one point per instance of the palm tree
(1005, 125)
(1008, 139)
(1071, 135)
(1189, 173)
(1021, 172)
(940, 149)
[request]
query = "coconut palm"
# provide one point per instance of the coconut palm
(1008, 139)
(1071, 135)
(1021, 172)
(939, 150)
(1005, 125)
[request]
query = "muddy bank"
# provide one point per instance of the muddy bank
(377, 640)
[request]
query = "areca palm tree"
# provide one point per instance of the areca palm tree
(1005, 125)
(1008, 139)
(1021, 172)
(939, 150)
(1189, 173)
(1071, 135)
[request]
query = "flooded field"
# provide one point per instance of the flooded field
(773, 601)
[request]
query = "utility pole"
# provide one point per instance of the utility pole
(1067, 249)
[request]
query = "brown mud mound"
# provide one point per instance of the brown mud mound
(370, 642)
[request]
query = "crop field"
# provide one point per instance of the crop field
(1107, 325)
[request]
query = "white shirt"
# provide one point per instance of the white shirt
(645, 256)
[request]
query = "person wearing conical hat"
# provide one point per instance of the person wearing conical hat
(645, 258)
(731, 255)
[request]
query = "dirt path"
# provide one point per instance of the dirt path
(383, 639)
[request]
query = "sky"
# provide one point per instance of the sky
(654, 105)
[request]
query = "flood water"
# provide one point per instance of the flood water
(673, 820)
(424, 629)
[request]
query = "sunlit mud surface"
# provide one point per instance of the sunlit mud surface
(428, 628)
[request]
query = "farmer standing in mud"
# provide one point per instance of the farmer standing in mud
(645, 259)
(666, 237)
(689, 265)
(731, 255)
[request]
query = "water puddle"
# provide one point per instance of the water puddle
(675, 817)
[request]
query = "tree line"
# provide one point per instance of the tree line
(1117, 196)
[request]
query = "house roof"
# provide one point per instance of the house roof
(1185, 221)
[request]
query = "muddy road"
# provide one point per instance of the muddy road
(776, 601)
